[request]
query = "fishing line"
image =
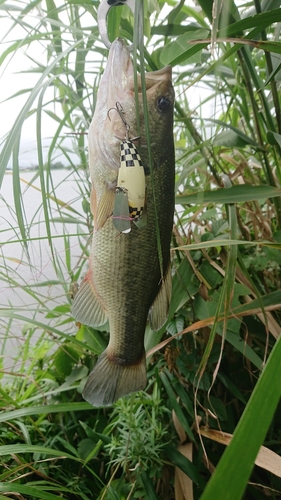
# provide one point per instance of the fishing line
(138, 34)
(136, 40)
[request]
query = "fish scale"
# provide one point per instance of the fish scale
(124, 283)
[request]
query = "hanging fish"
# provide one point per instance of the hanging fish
(126, 277)
(130, 190)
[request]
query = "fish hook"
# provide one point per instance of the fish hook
(103, 10)
(121, 112)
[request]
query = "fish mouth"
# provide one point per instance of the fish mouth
(117, 83)
(119, 73)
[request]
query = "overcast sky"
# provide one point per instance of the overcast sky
(15, 76)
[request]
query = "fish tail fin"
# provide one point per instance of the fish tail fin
(110, 380)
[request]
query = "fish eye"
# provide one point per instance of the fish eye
(163, 104)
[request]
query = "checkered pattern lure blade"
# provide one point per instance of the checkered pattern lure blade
(129, 155)
(131, 177)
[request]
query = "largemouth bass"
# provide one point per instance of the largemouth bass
(125, 278)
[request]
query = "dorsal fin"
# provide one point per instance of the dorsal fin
(160, 307)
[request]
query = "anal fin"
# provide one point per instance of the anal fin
(160, 306)
(86, 308)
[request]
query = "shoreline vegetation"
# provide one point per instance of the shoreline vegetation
(52, 166)
(45, 167)
(213, 392)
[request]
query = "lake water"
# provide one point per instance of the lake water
(17, 271)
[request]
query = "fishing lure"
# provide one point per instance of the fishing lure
(130, 189)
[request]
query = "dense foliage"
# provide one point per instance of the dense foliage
(213, 370)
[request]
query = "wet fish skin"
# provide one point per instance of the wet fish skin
(124, 279)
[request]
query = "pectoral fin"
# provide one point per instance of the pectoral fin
(86, 308)
(160, 307)
(105, 208)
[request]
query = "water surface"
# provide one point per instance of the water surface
(20, 274)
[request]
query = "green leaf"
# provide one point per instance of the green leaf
(53, 16)
(58, 311)
(95, 339)
(260, 21)
(231, 139)
(175, 405)
(217, 243)
(218, 407)
(148, 486)
(269, 300)
(175, 325)
(10, 449)
(234, 194)
(65, 357)
(233, 471)
(274, 138)
(179, 460)
(7, 416)
(113, 22)
(180, 50)
(19, 44)
(207, 7)
(171, 29)
(85, 447)
(182, 286)
(243, 347)
(31, 491)
(231, 387)
(177, 10)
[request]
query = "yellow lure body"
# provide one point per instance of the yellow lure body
(131, 181)
(131, 177)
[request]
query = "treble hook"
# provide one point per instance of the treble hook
(103, 10)
(121, 112)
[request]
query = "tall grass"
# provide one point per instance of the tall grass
(213, 369)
